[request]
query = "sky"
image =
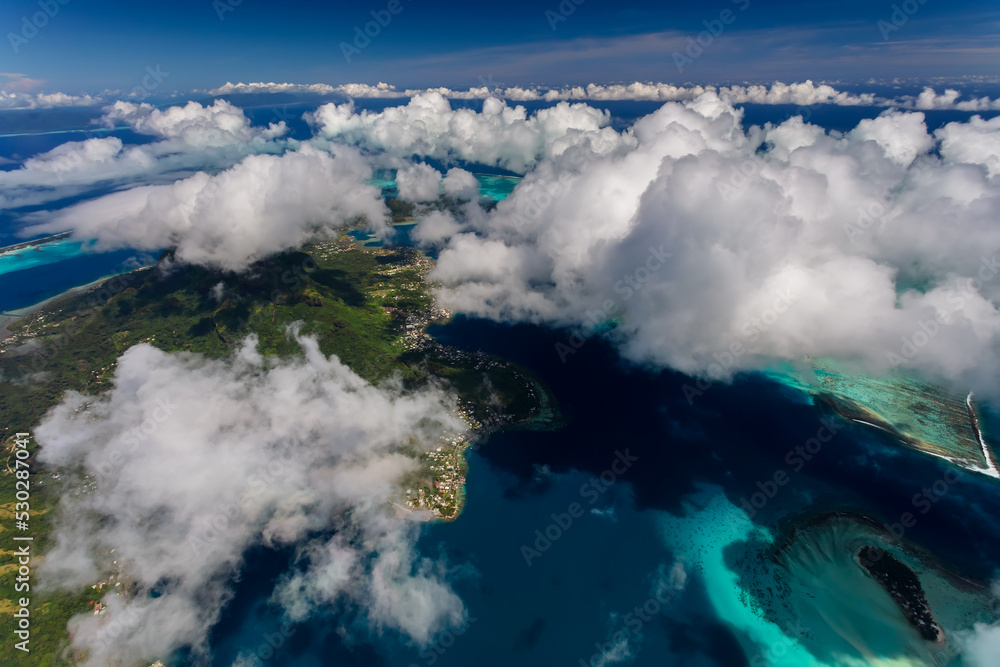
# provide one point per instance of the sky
(88, 47)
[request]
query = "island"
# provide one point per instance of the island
(917, 414)
(368, 304)
(34, 244)
(903, 585)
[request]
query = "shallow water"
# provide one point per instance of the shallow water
(492, 187)
(680, 503)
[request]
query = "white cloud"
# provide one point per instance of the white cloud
(264, 204)
(928, 99)
(24, 100)
(260, 87)
(805, 249)
(804, 93)
(349, 89)
(428, 126)
(799, 93)
(842, 223)
(974, 142)
(981, 646)
(195, 461)
(461, 184)
(903, 136)
(418, 183)
(434, 228)
(71, 168)
(191, 138)
(220, 124)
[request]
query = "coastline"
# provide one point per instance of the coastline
(991, 464)
(24, 245)
(11, 316)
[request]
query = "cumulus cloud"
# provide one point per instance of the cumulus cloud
(191, 462)
(434, 228)
(220, 124)
(260, 206)
(349, 89)
(698, 231)
(902, 136)
(929, 99)
(26, 100)
(418, 183)
(71, 168)
(974, 142)
(799, 93)
(802, 93)
(499, 135)
(270, 87)
(190, 138)
(981, 644)
(461, 184)
(718, 249)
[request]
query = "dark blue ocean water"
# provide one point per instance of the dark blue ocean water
(20, 289)
(556, 610)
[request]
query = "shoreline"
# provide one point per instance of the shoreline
(9, 317)
(991, 465)
(24, 245)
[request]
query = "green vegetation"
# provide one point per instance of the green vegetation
(368, 306)
(903, 585)
(401, 211)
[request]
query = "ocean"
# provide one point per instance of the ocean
(684, 512)
(680, 501)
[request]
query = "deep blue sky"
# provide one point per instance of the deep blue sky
(91, 45)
